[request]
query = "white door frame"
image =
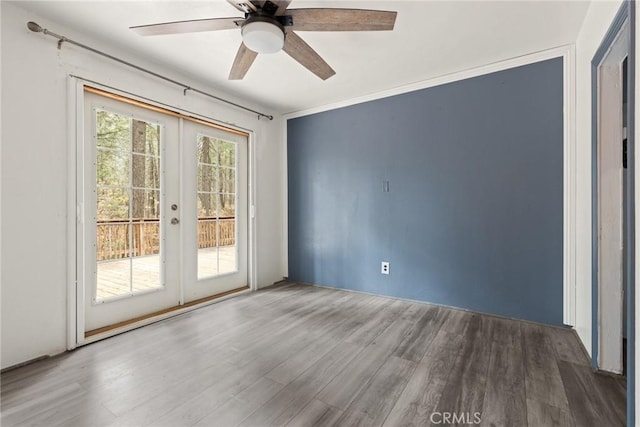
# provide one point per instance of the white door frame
(610, 204)
(75, 213)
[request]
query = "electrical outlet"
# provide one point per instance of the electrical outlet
(384, 267)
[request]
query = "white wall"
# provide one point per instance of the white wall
(35, 164)
(596, 23)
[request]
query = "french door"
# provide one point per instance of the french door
(165, 205)
(215, 186)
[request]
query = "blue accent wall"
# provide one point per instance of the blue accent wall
(473, 213)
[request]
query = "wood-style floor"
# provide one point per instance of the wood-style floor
(299, 355)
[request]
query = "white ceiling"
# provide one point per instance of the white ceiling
(430, 39)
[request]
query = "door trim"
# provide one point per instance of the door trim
(615, 30)
(75, 211)
(163, 110)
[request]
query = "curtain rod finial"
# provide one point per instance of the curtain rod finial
(34, 27)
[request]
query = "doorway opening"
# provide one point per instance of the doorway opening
(614, 202)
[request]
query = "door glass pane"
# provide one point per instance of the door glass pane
(207, 262)
(146, 138)
(145, 171)
(113, 131)
(206, 205)
(217, 252)
(113, 203)
(227, 180)
(145, 267)
(114, 261)
(146, 204)
(207, 150)
(128, 205)
(227, 251)
(206, 178)
(227, 206)
(114, 167)
(227, 156)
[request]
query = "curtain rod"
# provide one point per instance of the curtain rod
(62, 39)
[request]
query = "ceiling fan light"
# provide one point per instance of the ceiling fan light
(262, 37)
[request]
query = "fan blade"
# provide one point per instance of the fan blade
(242, 63)
(342, 20)
(299, 50)
(244, 6)
(193, 26)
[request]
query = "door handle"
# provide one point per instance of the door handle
(175, 221)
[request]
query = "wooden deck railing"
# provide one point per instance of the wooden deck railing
(113, 236)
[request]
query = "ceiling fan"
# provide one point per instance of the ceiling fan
(268, 27)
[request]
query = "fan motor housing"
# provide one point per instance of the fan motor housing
(264, 18)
